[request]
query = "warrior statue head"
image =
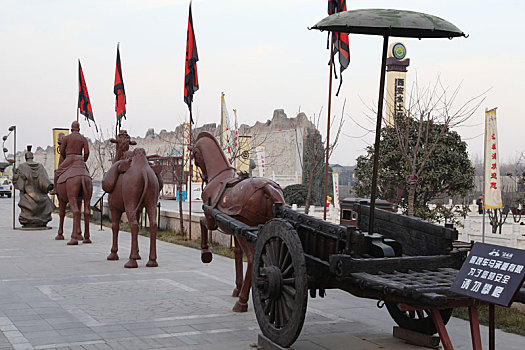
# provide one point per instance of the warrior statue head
(75, 126)
(29, 154)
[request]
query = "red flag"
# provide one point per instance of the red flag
(191, 80)
(341, 43)
(118, 89)
(84, 104)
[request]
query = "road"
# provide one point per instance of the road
(54, 296)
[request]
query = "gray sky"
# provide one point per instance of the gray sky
(259, 52)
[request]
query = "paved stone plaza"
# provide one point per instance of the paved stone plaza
(57, 296)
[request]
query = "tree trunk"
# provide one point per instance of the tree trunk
(308, 196)
(411, 199)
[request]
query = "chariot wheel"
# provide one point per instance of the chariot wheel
(279, 282)
(419, 320)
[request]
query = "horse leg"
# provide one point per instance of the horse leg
(242, 304)
(152, 215)
(79, 229)
(206, 255)
(73, 203)
(134, 226)
(115, 226)
(137, 255)
(237, 251)
(62, 214)
(87, 213)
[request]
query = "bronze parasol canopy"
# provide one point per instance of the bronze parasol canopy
(386, 22)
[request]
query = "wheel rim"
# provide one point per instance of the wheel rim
(279, 282)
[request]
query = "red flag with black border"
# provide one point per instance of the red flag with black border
(84, 103)
(118, 90)
(341, 42)
(191, 80)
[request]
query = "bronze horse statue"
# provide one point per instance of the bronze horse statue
(132, 185)
(73, 184)
(248, 200)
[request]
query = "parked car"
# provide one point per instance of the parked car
(6, 187)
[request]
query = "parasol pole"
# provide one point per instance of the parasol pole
(189, 182)
(378, 135)
(328, 125)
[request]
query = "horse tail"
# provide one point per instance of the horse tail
(275, 195)
(84, 189)
(144, 174)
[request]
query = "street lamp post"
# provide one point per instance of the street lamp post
(12, 129)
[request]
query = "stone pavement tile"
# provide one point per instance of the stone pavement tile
(246, 345)
(147, 331)
(115, 335)
(169, 342)
(310, 345)
(133, 344)
(107, 328)
(187, 340)
(73, 338)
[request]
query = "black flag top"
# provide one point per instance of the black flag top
(341, 43)
(191, 80)
(118, 89)
(84, 104)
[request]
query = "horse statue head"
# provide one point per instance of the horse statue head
(209, 157)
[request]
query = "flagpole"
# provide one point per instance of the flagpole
(189, 182)
(77, 113)
(484, 165)
(328, 126)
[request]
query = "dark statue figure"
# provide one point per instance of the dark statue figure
(73, 183)
(132, 185)
(248, 200)
(31, 179)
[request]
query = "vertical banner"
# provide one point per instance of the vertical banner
(335, 181)
(492, 184)
(186, 159)
(259, 151)
(226, 134)
(56, 135)
(243, 161)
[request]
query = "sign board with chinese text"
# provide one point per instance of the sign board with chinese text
(492, 184)
(491, 273)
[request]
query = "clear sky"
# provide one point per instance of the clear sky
(259, 52)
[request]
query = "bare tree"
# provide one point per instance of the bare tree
(432, 109)
(313, 153)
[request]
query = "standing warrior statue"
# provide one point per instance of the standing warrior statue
(73, 183)
(34, 184)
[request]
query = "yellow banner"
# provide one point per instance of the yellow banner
(243, 160)
(56, 135)
(492, 198)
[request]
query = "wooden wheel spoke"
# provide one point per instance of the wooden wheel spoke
(272, 311)
(289, 281)
(266, 260)
(286, 261)
(282, 251)
(269, 254)
(288, 271)
(277, 313)
(285, 311)
(290, 291)
(275, 244)
(267, 306)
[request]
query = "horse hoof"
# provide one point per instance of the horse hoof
(72, 242)
(86, 241)
(112, 256)
(59, 237)
(136, 257)
(236, 292)
(240, 307)
(131, 264)
(206, 256)
(152, 263)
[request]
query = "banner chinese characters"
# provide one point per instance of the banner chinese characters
(492, 174)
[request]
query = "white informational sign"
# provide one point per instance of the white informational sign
(259, 151)
(335, 181)
(492, 198)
